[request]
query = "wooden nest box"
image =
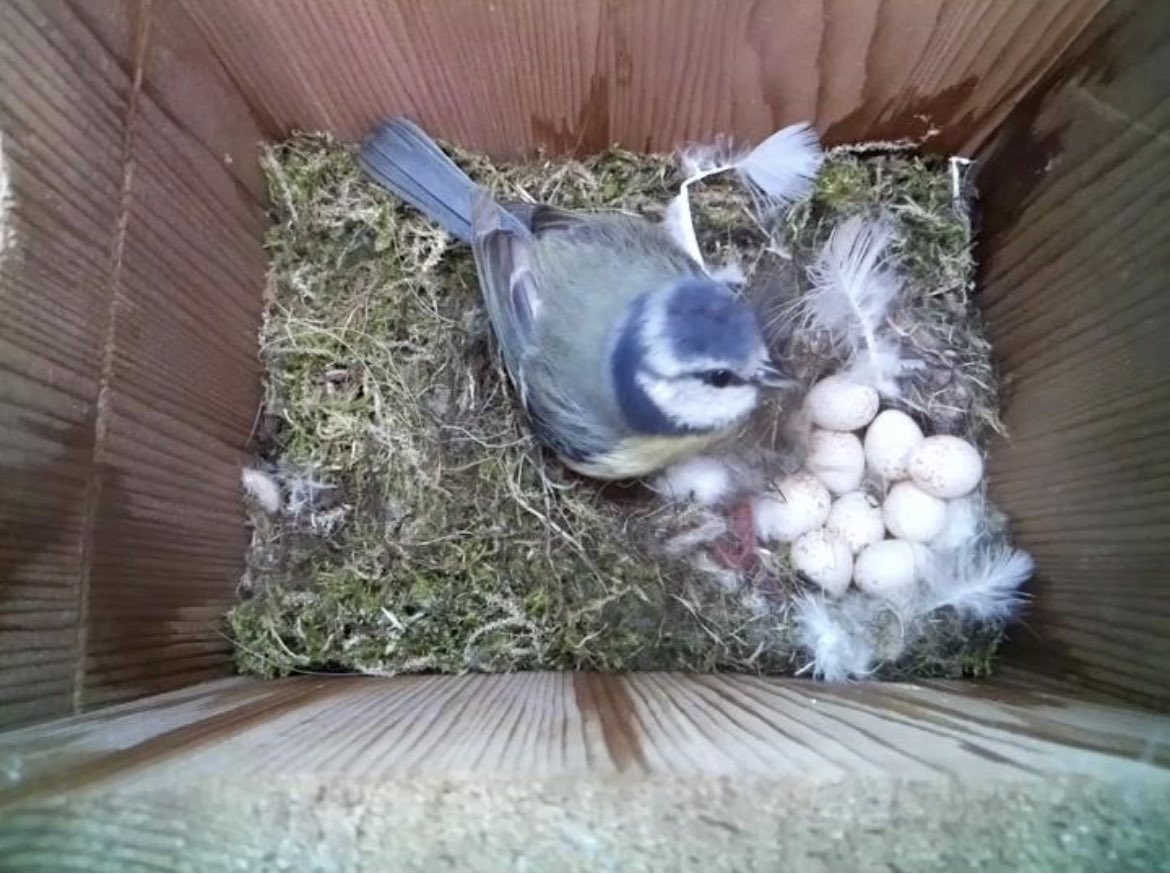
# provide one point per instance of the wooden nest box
(132, 280)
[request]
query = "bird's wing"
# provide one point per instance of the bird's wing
(501, 243)
(504, 241)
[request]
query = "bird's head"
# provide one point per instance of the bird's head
(690, 358)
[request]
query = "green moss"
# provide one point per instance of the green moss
(425, 529)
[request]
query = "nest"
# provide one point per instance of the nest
(420, 527)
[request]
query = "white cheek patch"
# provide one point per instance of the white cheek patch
(693, 403)
(659, 353)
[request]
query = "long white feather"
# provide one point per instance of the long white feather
(853, 290)
(979, 581)
(777, 172)
(840, 649)
(783, 167)
(681, 226)
(780, 170)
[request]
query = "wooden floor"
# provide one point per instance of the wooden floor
(245, 770)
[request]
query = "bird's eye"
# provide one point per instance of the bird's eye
(721, 378)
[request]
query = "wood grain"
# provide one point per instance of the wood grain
(1077, 253)
(61, 118)
(511, 75)
(382, 760)
(169, 539)
(546, 725)
(130, 299)
(183, 80)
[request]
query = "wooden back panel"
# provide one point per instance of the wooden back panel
(509, 75)
(1076, 249)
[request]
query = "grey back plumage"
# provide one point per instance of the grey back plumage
(556, 285)
(590, 274)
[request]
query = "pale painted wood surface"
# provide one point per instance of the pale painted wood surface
(547, 724)
(436, 750)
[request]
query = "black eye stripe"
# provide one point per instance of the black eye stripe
(722, 378)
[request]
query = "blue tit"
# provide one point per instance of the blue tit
(626, 355)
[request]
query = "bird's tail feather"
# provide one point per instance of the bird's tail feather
(401, 157)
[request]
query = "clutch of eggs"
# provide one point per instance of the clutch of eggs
(840, 533)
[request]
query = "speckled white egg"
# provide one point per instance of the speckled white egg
(889, 443)
(856, 517)
(946, 467)
(912, 514)
(837, 459)
(888, 569)
(796, 505)
(824, 558)
(838, 404)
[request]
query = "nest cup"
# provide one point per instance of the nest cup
(133, 278)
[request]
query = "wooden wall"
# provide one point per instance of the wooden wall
(131, 285)
(1076, 242)
(510, 74)
(129, 305)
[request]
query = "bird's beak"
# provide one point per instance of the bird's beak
(771, 376)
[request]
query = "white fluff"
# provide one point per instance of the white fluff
(730, 273)
(852, 293)
(965, 523)
(707, 481)
(728, 580)
(839, 645)
(854, 289)
(881, 364)
(262, 488)
(979, 582)
(705, 532)
(777, 172)
(303, 492)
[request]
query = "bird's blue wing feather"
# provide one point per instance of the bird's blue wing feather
(401, 157)
(501, 243)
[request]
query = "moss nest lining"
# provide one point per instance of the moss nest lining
(420, 526)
